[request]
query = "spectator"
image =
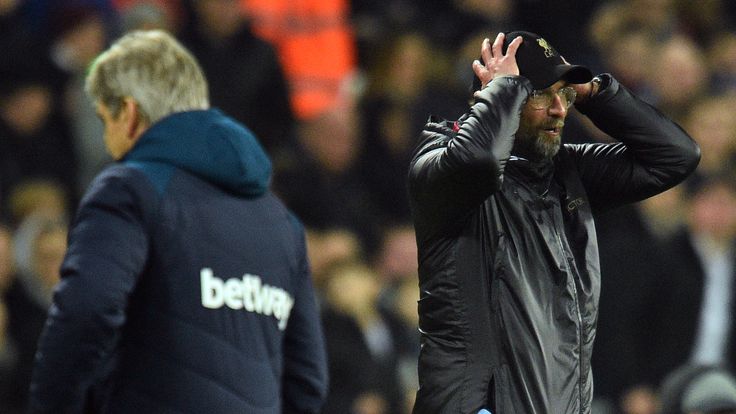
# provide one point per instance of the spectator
(692, 318)
(364, 344)
(328, 247)
(404, 308)
(316, 47)
(38, 197)
(403, 87)
(664, 214)
(396, 266)
(34, 140)
(40, 243)
(632, 260)
(396, 260)
(711, 123)
(656, 17)
(79, 32)
(681, 77)
(246, 78)
(326, 186)
(628, 55)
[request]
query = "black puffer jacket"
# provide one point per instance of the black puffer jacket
(508, 259)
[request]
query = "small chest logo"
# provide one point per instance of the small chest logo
(548, 51)
(573, 204)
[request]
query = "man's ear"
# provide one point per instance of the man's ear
(134, 124)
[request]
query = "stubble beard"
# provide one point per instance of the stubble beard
(535, 145)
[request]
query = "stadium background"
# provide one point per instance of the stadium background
(337, 91)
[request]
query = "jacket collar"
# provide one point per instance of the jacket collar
(537, 174)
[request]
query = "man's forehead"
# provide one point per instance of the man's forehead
(558, 85)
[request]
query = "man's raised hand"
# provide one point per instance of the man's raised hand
(495, 63)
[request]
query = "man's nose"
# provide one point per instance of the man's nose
(558, 107)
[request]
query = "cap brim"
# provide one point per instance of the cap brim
(573, 73)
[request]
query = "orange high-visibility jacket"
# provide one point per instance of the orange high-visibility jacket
(315, 43)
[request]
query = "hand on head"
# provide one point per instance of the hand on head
(495, 63)
(583, 90)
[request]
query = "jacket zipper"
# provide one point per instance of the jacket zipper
(580, 320)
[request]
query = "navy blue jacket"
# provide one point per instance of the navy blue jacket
(186, 286)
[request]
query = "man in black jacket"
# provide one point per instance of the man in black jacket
(503, 213)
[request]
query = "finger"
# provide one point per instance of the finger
(514, 46)
(485, 51)
(498, 45)
(478, 68)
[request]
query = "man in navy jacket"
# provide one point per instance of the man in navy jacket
(186, 287)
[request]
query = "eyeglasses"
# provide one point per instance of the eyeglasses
(543, 99)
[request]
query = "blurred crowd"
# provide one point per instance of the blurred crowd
(337, 91)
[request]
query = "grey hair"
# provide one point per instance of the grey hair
(154, 69)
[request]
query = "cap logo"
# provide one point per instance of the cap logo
(548, 51)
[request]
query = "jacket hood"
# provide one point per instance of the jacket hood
(209, 145)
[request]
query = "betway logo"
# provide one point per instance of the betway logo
(247, 293)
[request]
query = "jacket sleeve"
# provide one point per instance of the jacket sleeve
(451, 173)
(305, 359)
(653, 153)
(107, 251)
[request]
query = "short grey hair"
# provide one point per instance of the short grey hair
(154, 69)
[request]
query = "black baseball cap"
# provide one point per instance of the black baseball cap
(539, 62)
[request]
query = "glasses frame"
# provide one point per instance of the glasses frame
(543, 99)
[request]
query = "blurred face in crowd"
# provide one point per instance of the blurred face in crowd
(327, 248)
(682, 72)
(398, 256)
(408, 70)
(353, 290)
(77, 47)
(339, 153)
(630, 56)
(27, 109)
(220, 18)
(713, 212)
(542, 120)
(713, 127)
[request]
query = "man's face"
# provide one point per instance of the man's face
(540, 128)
